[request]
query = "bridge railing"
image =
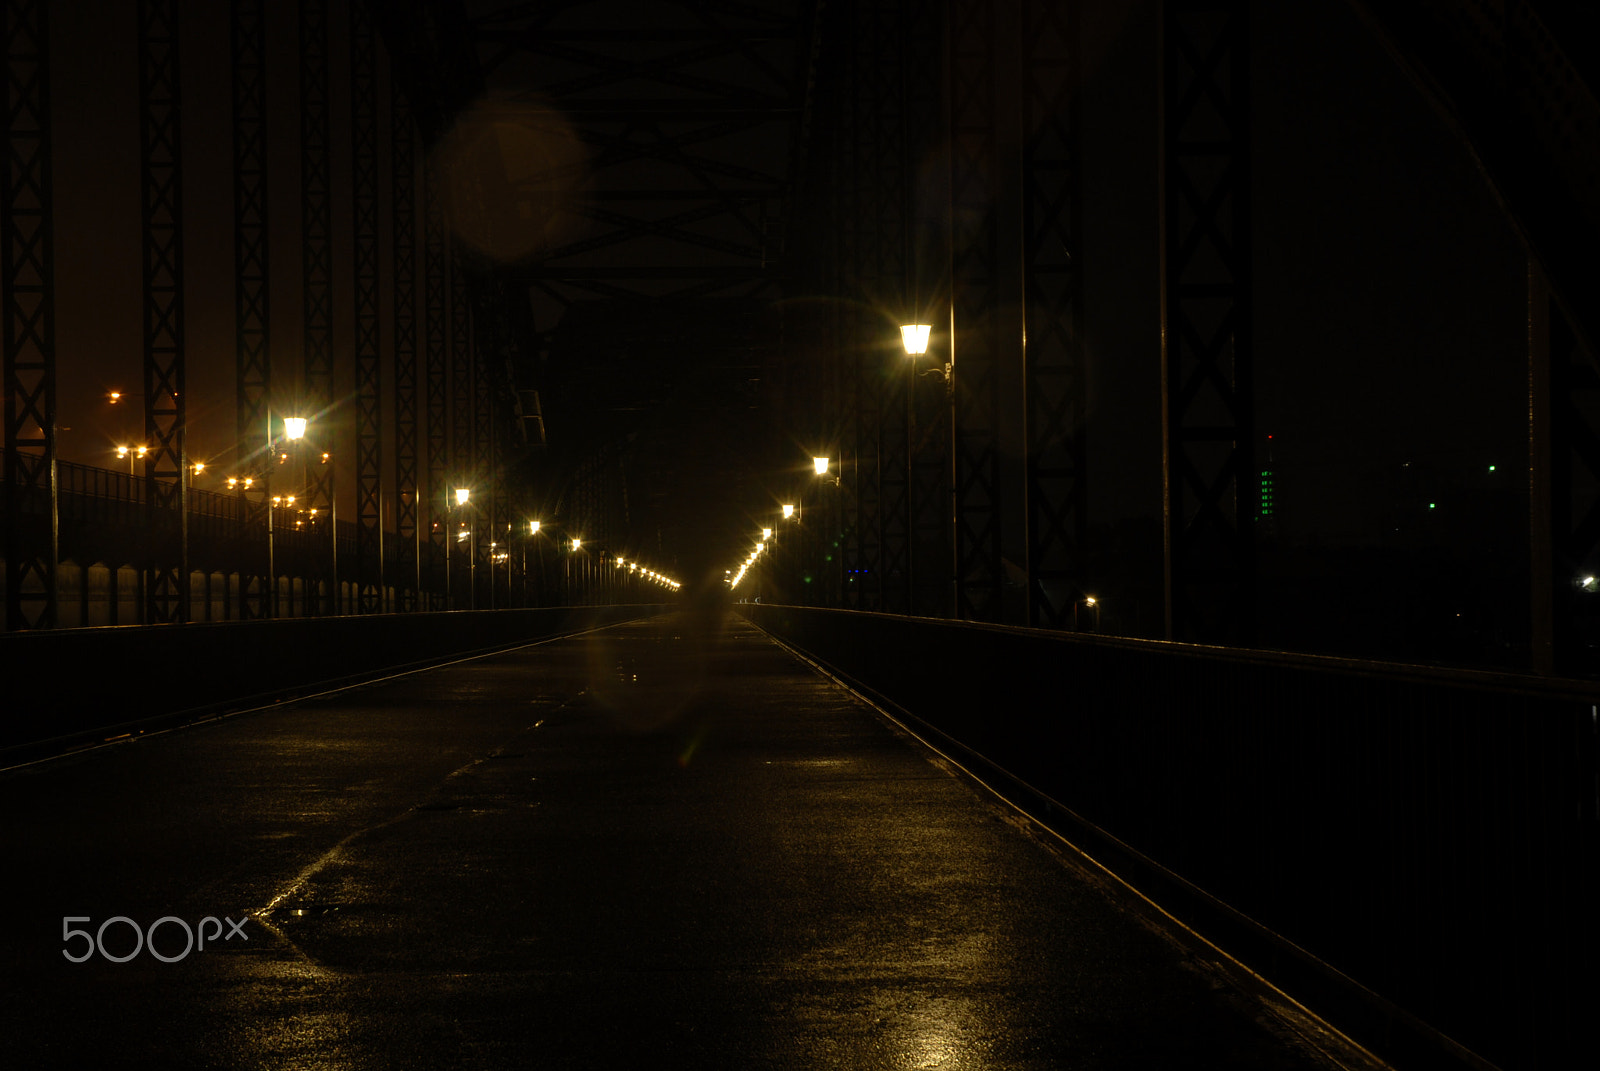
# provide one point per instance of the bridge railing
(1431, 834)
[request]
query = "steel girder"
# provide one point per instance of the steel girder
(1565, 467)
(166, 472)
(403, 164)
(316, 212)
(252, 303)
(1053, 380)
(882, 196)
(927, 258)
(436, 334)
(1207, 387)
(464, 464)
(860, 486)
(1502, 74)
(976, 341)
(668, 173)
(27, 290)
(486, 323)
(369, 573)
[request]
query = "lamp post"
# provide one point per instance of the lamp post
(572, 558)
(294, 433)
(463, 496)
(131, 452)
(538, 547)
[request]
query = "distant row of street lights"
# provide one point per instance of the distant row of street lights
(914, 338)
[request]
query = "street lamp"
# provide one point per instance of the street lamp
(788, 511)
(915, 337)
(130, 452)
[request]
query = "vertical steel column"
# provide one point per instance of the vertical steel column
(1053, 381)
(403, 163)
(316, 222)
(1564, 397)
(852, 552)
(484, 354)
(166, 467)
(880, 66)
(369, 573)
(27, 290)
(252, 292)
(1207, 388)
(975, 342)
(926, 262)
(435, 315)
(865, 582)
(461, 399)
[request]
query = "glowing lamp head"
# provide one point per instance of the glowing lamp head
(915, 337)
(533, 527)
(766, 534)
(576, 543)
(821, 465)
(788, 511)
(122, 451)
(294, 427)
(462, 494)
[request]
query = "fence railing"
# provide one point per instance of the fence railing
(1432, 834)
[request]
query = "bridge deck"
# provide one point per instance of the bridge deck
(654, 845)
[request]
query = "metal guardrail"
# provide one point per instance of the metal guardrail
(1432, 834)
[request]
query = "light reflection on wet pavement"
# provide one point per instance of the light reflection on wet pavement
(660, 845)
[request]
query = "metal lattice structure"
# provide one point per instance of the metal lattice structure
(717, 79)
(882, 196)
(403, 164)
(1208, 403)
(927, 258)
(1053, 381)
(368, 578)
(463, 463)
(485, 464)
(28, 321)
(316, 284)
(975, 327)
(252, 300)
(436, 337)
(166, 475)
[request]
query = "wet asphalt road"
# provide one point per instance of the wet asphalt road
(660, 845)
